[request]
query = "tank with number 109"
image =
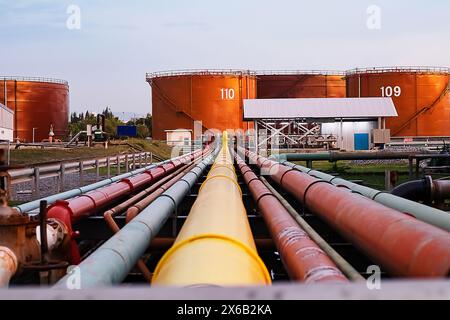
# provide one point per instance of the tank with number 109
(420, 94)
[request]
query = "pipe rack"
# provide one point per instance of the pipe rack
(215, 245)
(68, 212)
(113, 260)
(433, 216)
(401, 244)
(303, 258)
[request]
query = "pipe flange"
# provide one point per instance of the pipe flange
(430, 188)
(12, 217)
(308, 187)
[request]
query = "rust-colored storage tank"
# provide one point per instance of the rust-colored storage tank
(420, 94)
(301, 84)
(214, 97)
(37, 103)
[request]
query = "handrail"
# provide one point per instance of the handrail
(206, 72)
(198, 72)
(300, 72)
(419, 69)
(52, 170)
(33, 79)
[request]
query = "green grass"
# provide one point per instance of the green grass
(372, 174)
(35, 156)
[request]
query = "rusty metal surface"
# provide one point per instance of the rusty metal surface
(420, 89)
(389, 290)
(179, 99)
(18, 233)
(8, 265)
(85, 205)
(402, 245)
(303, 258)
(37, 104)
(299, 85)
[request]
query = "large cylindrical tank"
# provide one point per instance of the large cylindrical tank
(214, 97)
(419, 94)
(38, 103)
(300, 84)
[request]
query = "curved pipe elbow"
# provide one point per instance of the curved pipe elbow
(8, 266)
(417, 190)
(61, 212)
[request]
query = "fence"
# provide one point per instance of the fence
(60, 170)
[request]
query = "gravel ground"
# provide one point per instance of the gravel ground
(23, 191)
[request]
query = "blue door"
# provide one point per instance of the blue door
(361, 141)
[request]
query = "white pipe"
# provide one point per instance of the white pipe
(56, 232)
(8, 266)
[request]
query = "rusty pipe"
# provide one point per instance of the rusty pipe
(113, 260)
(8, 266)
(398, 242)
(87, 204)
(303, 258)
(123, 206)
(441, 189)
(433, 216)
(108, 215)
(134, 210)
(340, 262)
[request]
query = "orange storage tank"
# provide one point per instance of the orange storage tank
(37, 103)
(420, 94)
(301, 84)
(214, 97)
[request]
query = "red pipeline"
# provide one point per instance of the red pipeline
(88, 204)
(401, 244)
(303, 258)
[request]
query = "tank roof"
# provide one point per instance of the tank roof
(33, 79)
(399, 69)
(299, 72)
(199, 72)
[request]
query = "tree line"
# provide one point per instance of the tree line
(79, 121)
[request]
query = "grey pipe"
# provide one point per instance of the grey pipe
(33, 205)
(112, 262)
(422, 212)
(337, 156)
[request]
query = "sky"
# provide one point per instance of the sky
(105, 60)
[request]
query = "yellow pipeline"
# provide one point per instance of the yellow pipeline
(215, 245)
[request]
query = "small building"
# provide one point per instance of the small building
(178, 137)
(6, 123)
(338, 123)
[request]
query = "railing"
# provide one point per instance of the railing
(206, 72)
(423, 69)
(33, 79)
(59, 170)
(6, 144)
(199, 72)
(299, 72)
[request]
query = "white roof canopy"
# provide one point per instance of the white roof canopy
(319, 108)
